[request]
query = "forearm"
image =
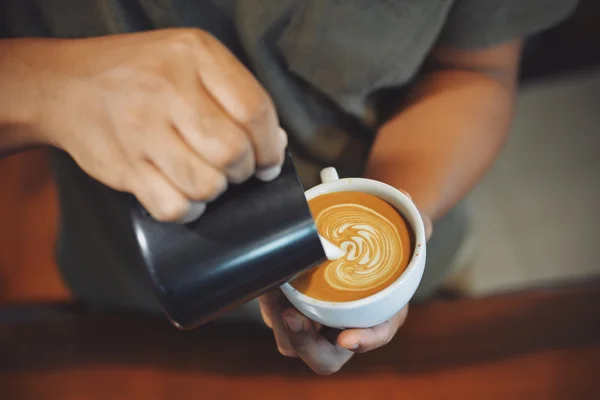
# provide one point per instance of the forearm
(21, 71)
(442, 143)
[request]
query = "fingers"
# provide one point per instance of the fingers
(298, 336)
(175, 118)
(194, 212)
(363, 340)
(158, 196)
(244, 100)
(223, 125)
(267, 174)
(316, 351)
(265, 311)
(213, 135)
(191, 175)
(273, 304)
(204, 151)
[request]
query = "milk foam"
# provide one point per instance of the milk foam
(371, 242)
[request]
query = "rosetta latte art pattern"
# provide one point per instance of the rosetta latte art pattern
(372, 243)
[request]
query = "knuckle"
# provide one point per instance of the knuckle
(183, 44)
(232, 151)
(257, 111)
(186, 41)
(133, 122)
(210, 188)
(184, 171)
(151, 81)
(286, 352)
(300, 348)
(122, 179)
(238, 147)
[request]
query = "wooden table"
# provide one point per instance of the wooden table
(537, 345)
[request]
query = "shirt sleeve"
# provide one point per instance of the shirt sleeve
(477, 24)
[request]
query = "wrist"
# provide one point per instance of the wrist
(19, 126)
(23, 92)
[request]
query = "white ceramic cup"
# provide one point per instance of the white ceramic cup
(381, 306)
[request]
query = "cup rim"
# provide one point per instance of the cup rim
(412, 267)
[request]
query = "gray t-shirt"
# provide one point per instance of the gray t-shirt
(323, 62)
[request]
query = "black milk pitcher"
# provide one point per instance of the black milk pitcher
(252, 239)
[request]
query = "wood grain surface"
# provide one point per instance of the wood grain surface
(537, 345)
(28, 218)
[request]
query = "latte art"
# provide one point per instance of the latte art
(374, 237)
(371, 242)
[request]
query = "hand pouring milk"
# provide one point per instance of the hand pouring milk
(252, 239)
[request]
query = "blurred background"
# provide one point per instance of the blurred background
(521, 319)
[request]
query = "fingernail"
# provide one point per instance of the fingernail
(195, 211)
(268, 174)
(294, 324)
(353, 346)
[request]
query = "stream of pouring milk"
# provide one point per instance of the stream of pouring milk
(332, 252)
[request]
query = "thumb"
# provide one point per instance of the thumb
(428, 226)
(315, 350)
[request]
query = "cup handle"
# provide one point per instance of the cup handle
(329, 174)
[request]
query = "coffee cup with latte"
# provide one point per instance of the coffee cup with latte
(383, 239)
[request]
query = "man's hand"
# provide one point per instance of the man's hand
(318, 346)
(323, 349)
(169, 115)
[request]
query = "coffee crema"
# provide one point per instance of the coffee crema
(375, 238)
